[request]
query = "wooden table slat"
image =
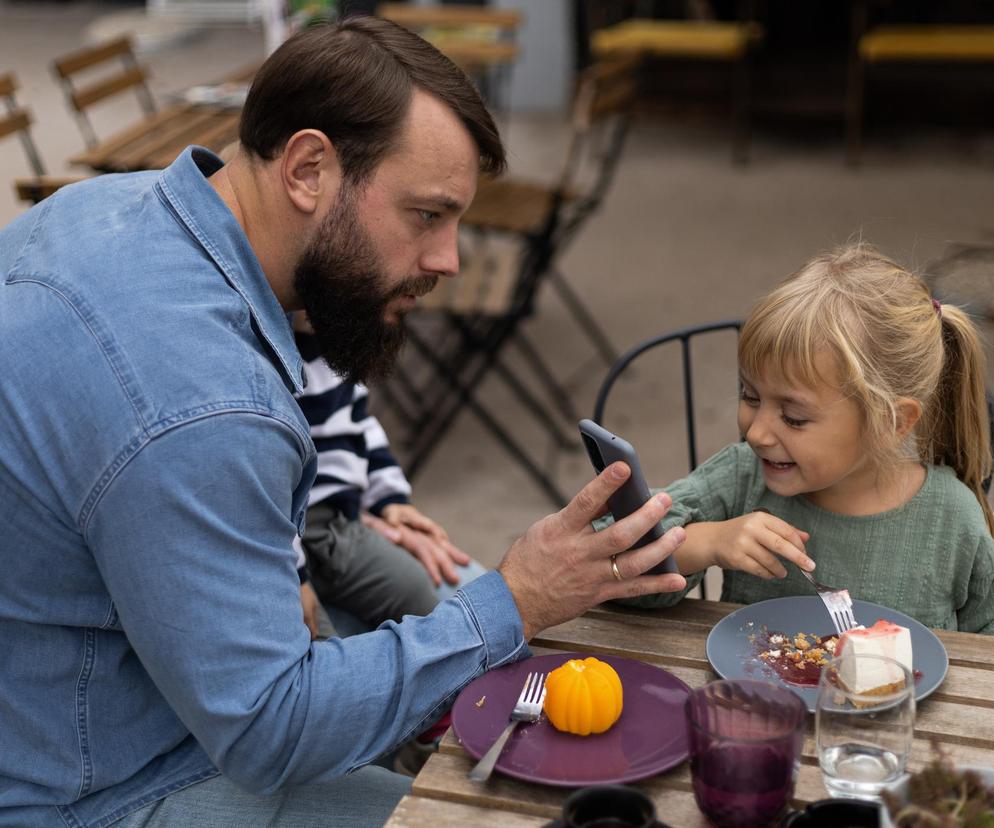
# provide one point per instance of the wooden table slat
(178, 132)
(416, 812)
(98, 156)
(221, 131)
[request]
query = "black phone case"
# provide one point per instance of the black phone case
(604, 448)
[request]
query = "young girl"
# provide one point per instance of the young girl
(866, 440)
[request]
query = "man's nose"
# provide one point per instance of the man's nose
(442, 255)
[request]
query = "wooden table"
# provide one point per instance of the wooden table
(958, 714)
(154, 142)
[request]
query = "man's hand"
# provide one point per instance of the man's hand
(561, 567)
(309, 603)
(755, 543)
(405, 526)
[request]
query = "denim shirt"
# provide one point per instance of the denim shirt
(154, 469)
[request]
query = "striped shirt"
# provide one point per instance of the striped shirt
(356, 469)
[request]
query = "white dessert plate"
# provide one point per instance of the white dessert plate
(733, 655)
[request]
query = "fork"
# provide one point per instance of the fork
(527, 708)
(837, 601)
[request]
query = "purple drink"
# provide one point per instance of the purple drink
(742, 786)
(745, 743)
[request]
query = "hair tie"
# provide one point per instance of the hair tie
(938, 308)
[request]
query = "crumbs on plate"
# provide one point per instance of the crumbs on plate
(481, 701)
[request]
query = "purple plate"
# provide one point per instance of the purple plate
(649, 738)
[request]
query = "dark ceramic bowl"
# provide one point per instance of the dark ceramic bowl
(835, 813)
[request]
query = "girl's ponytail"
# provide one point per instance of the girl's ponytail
(956, 430)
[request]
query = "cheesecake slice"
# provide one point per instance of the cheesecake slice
(870, 677)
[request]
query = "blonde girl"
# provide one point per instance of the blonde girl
(865, 443)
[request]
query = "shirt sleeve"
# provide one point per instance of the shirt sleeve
(977, 615)
(386, 482)
(193, 537)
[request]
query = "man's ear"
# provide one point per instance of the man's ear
(908, 412)
(309, 170)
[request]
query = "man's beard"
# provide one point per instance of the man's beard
(340, 281)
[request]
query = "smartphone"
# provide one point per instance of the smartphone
(605, 448)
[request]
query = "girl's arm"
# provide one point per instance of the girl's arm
(752, 543)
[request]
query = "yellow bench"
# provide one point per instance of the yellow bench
(909, 44)
(691, 40)
(677, 38)
(974, 44)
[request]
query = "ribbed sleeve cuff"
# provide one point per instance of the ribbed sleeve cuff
(377, 508)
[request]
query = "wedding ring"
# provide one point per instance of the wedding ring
(614, 568)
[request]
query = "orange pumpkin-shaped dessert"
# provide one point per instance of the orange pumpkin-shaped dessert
(583, 697)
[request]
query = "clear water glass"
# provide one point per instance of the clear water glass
(863, 740)
(745, 748)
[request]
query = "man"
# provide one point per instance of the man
(154, 467)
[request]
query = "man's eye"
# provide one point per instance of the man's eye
(792, 422)
(427, 216)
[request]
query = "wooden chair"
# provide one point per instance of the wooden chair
(521, 207)
(481, 41)
(514, 232)
(126, 74)
(880, 45)
(707, 40)
(14, 119)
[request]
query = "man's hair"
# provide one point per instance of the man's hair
(353, 81)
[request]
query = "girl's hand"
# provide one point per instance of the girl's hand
(753, 542)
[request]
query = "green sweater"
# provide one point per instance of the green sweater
(932, 558)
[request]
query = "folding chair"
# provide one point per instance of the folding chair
(521, 207)
(516, 229)
(16, 119)
(685, 337)
(130, 75)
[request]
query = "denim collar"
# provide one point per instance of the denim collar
(185, 186)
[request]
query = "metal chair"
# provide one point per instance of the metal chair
(685, 337)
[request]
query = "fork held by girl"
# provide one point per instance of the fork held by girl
(865, 431)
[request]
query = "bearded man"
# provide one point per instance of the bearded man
(154, 466)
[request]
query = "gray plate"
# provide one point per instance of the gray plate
(733, 656)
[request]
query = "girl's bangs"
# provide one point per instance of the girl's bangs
(782, 342)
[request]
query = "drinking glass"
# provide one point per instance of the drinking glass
(863, 740)
(745, 747)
